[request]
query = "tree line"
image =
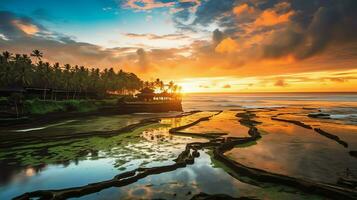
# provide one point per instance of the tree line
(19, 71)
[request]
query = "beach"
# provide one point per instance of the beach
(308, 137)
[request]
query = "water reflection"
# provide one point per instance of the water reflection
(284, 148)
(292, 150)
(225, 122)
(184, 183)
(53, 165)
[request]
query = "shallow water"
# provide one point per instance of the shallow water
(292, 150)
(183, 183)
(225, 122)
(284, 148)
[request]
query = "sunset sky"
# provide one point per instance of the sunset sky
(204, 45)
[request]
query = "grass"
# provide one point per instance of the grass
(39, 107)
(109, 147)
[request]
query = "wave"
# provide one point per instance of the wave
(342, 116)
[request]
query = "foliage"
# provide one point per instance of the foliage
(19, 71)
(37, 106)
(159, 86)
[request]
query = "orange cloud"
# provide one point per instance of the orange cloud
(289, 59)
(271, 18)
(29, 29)
(280, 83)
(244, 8)
(227, 45)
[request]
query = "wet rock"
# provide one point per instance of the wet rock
(298, 123)
(331, 136)
(319, 115)
(353, 153)
(204, 196)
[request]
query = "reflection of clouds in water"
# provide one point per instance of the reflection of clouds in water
(183, 183)
(140, 192)
(225, 122)
(295, 151)
(180, 121)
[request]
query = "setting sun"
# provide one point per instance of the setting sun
(178, 99)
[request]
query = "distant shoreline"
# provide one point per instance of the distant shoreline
(326, 93)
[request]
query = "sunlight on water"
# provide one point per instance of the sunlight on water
(284, 148)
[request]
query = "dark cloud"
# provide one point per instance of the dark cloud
(312, 27)
(315, 28)
(210, 11)
(8, 27)
(143, 60)
(217, 36)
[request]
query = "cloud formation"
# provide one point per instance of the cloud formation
(147, 4)
(243, 38)
(174, 36)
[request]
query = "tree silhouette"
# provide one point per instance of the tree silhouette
(37, 54)
(74, 81)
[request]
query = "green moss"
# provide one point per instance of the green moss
(218, 164)
(37, 106)
(116, 147)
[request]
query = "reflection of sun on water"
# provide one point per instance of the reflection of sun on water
(30, 171)
(189, 87)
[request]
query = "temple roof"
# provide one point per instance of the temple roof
(147, 90)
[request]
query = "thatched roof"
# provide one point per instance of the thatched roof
(147, 90)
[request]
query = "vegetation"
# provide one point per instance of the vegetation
(19, 71)
(36, 106)
(31, 86)
(159, 86)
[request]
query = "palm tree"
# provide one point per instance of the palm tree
(37, 54)
(67, 78)
(45, 71)
(23, 73)
(18, 70)
(159, 84)
(171, 86)
(6, 56)
(5, 68)
(56, 79)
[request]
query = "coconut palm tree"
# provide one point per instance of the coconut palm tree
(18, 70)
(6, 56)
(37, 54)
(23, 70)
(170, 86)
(5, 68)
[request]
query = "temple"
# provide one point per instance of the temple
(148, 95)
(149, 101)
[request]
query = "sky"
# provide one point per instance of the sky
(204, 45)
